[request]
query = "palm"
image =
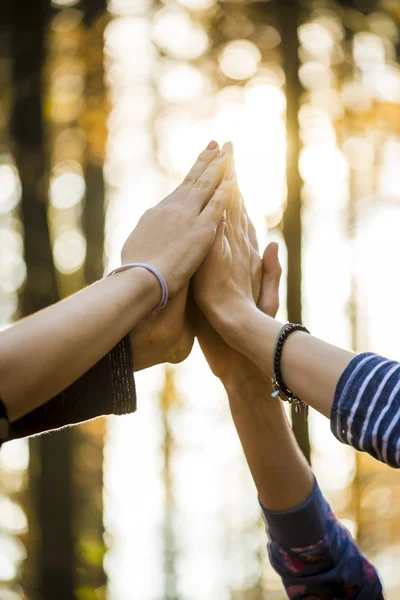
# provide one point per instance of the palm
(165, 336)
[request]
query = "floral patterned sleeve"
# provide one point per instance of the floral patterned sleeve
(316, 557)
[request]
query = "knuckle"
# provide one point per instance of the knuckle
(203, 184)
(224, 185)
(215, 202)
(204, 157)
(189, 180)
(221, 155)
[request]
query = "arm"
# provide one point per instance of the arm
(333, 381)
(107, 388)
(309, 549)
(312, 553)
(47, 352)
(360, 394)
(310, 367)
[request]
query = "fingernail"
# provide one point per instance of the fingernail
(229, 147)
(212, 145)
(230, 175)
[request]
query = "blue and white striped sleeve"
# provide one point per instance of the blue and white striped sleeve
(366, 409)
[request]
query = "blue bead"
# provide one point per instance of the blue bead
(275, 394)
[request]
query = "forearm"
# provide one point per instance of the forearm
(280, 472)
(309, 549)
(48, 351)
(311, 368)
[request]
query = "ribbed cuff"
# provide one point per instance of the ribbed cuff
(107, 388)
(299, 527)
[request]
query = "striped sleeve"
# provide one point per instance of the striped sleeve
(366, 409)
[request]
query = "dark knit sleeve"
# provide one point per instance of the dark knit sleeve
(108, 388)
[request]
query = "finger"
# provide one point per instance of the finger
(244, 219)
(219, 203)
(219, 236)
(198, 169)
(228, 148)
(252, 233)
(234, 215)
(203, 189)
(271, 264)
(256, 274)
(272, 272)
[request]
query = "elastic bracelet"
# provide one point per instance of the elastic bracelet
(4, 423)
(280, 389)
(156, 272)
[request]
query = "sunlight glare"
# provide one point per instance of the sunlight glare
(239, 59)
(10, 188)
(324, 167)
(69, 251)
(67, 189)
(181, 82)
(175, 32)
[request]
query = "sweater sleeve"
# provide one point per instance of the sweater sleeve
(316, 557)
(366, 408)
(107, 388)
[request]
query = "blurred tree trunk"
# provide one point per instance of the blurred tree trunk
(169, 400)
(95, 123)
(50, 455)
(288, 20)
(89, 438)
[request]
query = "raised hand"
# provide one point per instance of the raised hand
(177, 233)
(229, 277)
(168, 335)
(226, 363)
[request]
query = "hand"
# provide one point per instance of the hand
(164, 336)
(176, 235)
(168, 335)
(226, 363)
(229, 277)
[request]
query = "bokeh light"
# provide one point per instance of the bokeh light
(179, 502)
(69, 251)
(239, 59)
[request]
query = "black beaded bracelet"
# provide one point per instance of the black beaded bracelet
(4, 423)
(280, 389)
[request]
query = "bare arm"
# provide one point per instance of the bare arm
(280, 472)
(48, 351)
(311, 368)
(307, 546)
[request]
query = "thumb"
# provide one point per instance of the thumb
(272, 272)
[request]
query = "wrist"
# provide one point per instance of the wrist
(228, 317)
(138, 292)
(248, 389)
